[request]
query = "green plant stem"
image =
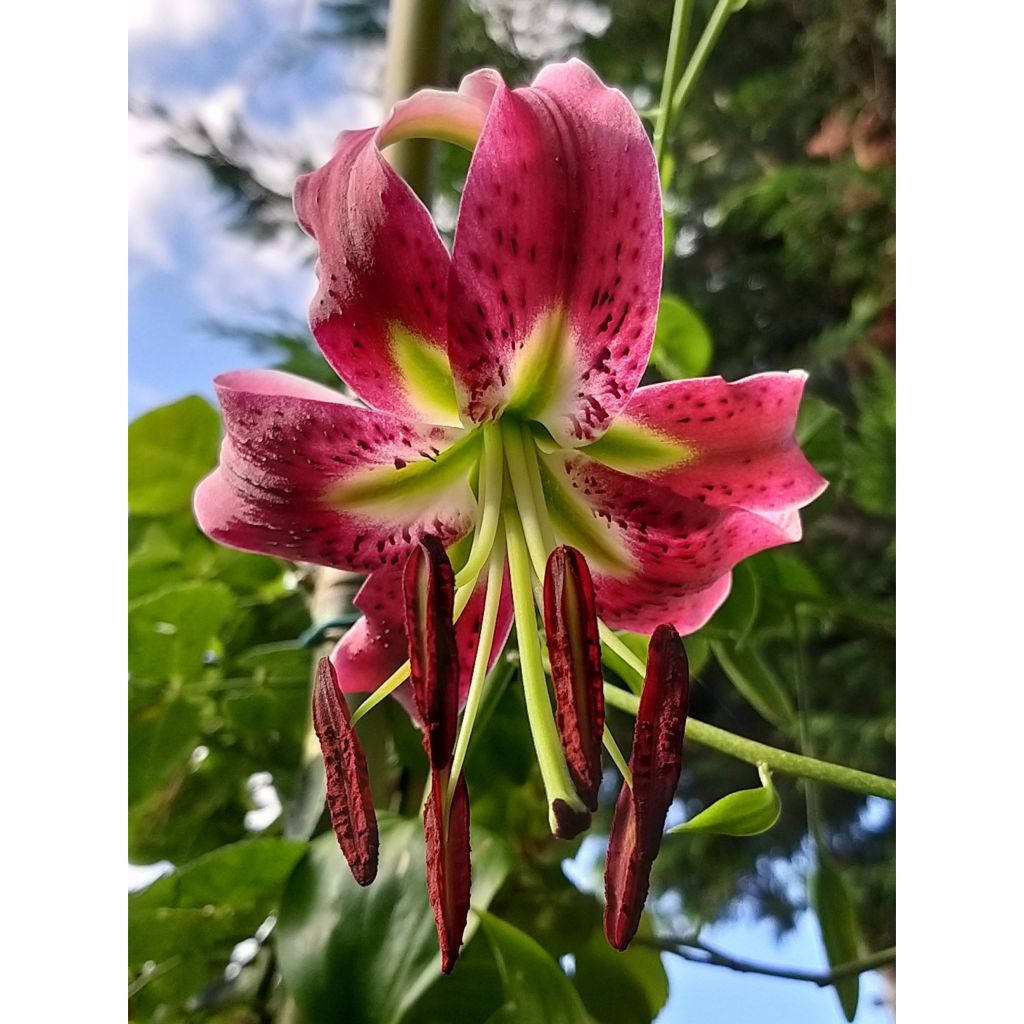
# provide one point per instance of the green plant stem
(752, 752)
(712, 31)
(417, 51)
(682, 16)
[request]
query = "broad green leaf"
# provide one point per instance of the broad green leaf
(220, 898)
(747, 812)
(161, 737)
(682, 342)
(819, 431)
(629, 987)
(840, 931)
(750, 675)
(536, 989)
(170, 632)
(372, 951)
(169, 451)
(739, 613)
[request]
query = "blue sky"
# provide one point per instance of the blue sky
(221, 58)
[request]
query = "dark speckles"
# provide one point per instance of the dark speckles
(400, 463)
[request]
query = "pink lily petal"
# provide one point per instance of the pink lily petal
(736, 441)
(657, 557)
(379, 314)
(309, 475)
(556, 267)
(376, 645)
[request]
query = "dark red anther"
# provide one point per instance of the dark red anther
(574, 648)
(348, 783)
(656, 761)
(433, 656)
(448, 864)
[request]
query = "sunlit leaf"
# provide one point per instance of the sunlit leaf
(170, 632)
(747, 812)
(536, 989)
(840, 932)
(682, 342)
(169, 451)
(372, 951)
(750, 675)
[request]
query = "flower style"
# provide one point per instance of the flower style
(501, 431)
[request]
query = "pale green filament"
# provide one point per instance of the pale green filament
(616, 755)
(553, 769)
(492, 601)
(489, 503)
(537, 490)
(519, 475)
(612, 641)
(392, 683)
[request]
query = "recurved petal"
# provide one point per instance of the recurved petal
(556, 266)
(309, 475)
(655, 556)
(719, 442)
(655, 762)
(574, 649)
(379, 312)
(448, 865)
(349, 798)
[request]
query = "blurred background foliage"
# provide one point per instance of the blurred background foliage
(779, 254)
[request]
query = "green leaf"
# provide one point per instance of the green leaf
(873, 458)
(217, 900)
(630, 987)
(682, 342)
(750, 675)
(739, 613)
(161, 737)
(536, 989)
(819, 431)
(748, 812)
(840, 932)
(372, 951)
(170, 632)
(169, 451)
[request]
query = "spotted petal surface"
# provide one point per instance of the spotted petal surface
(717, 442)
(656, 556)
(309, 475)
(556, 267)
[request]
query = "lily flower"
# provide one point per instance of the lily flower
(499, 413)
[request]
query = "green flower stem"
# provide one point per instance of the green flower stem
(553, 769)
(682, 16)
(489, 503)
(712, 31)
(492, 601)
(756, 753)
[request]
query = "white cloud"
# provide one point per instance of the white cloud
(177, 22)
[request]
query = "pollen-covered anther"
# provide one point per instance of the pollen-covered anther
(574, 650)
(655, 762)
(448, 864)
(429, 585)
(349, 799)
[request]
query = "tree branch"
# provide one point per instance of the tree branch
(697, 951)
